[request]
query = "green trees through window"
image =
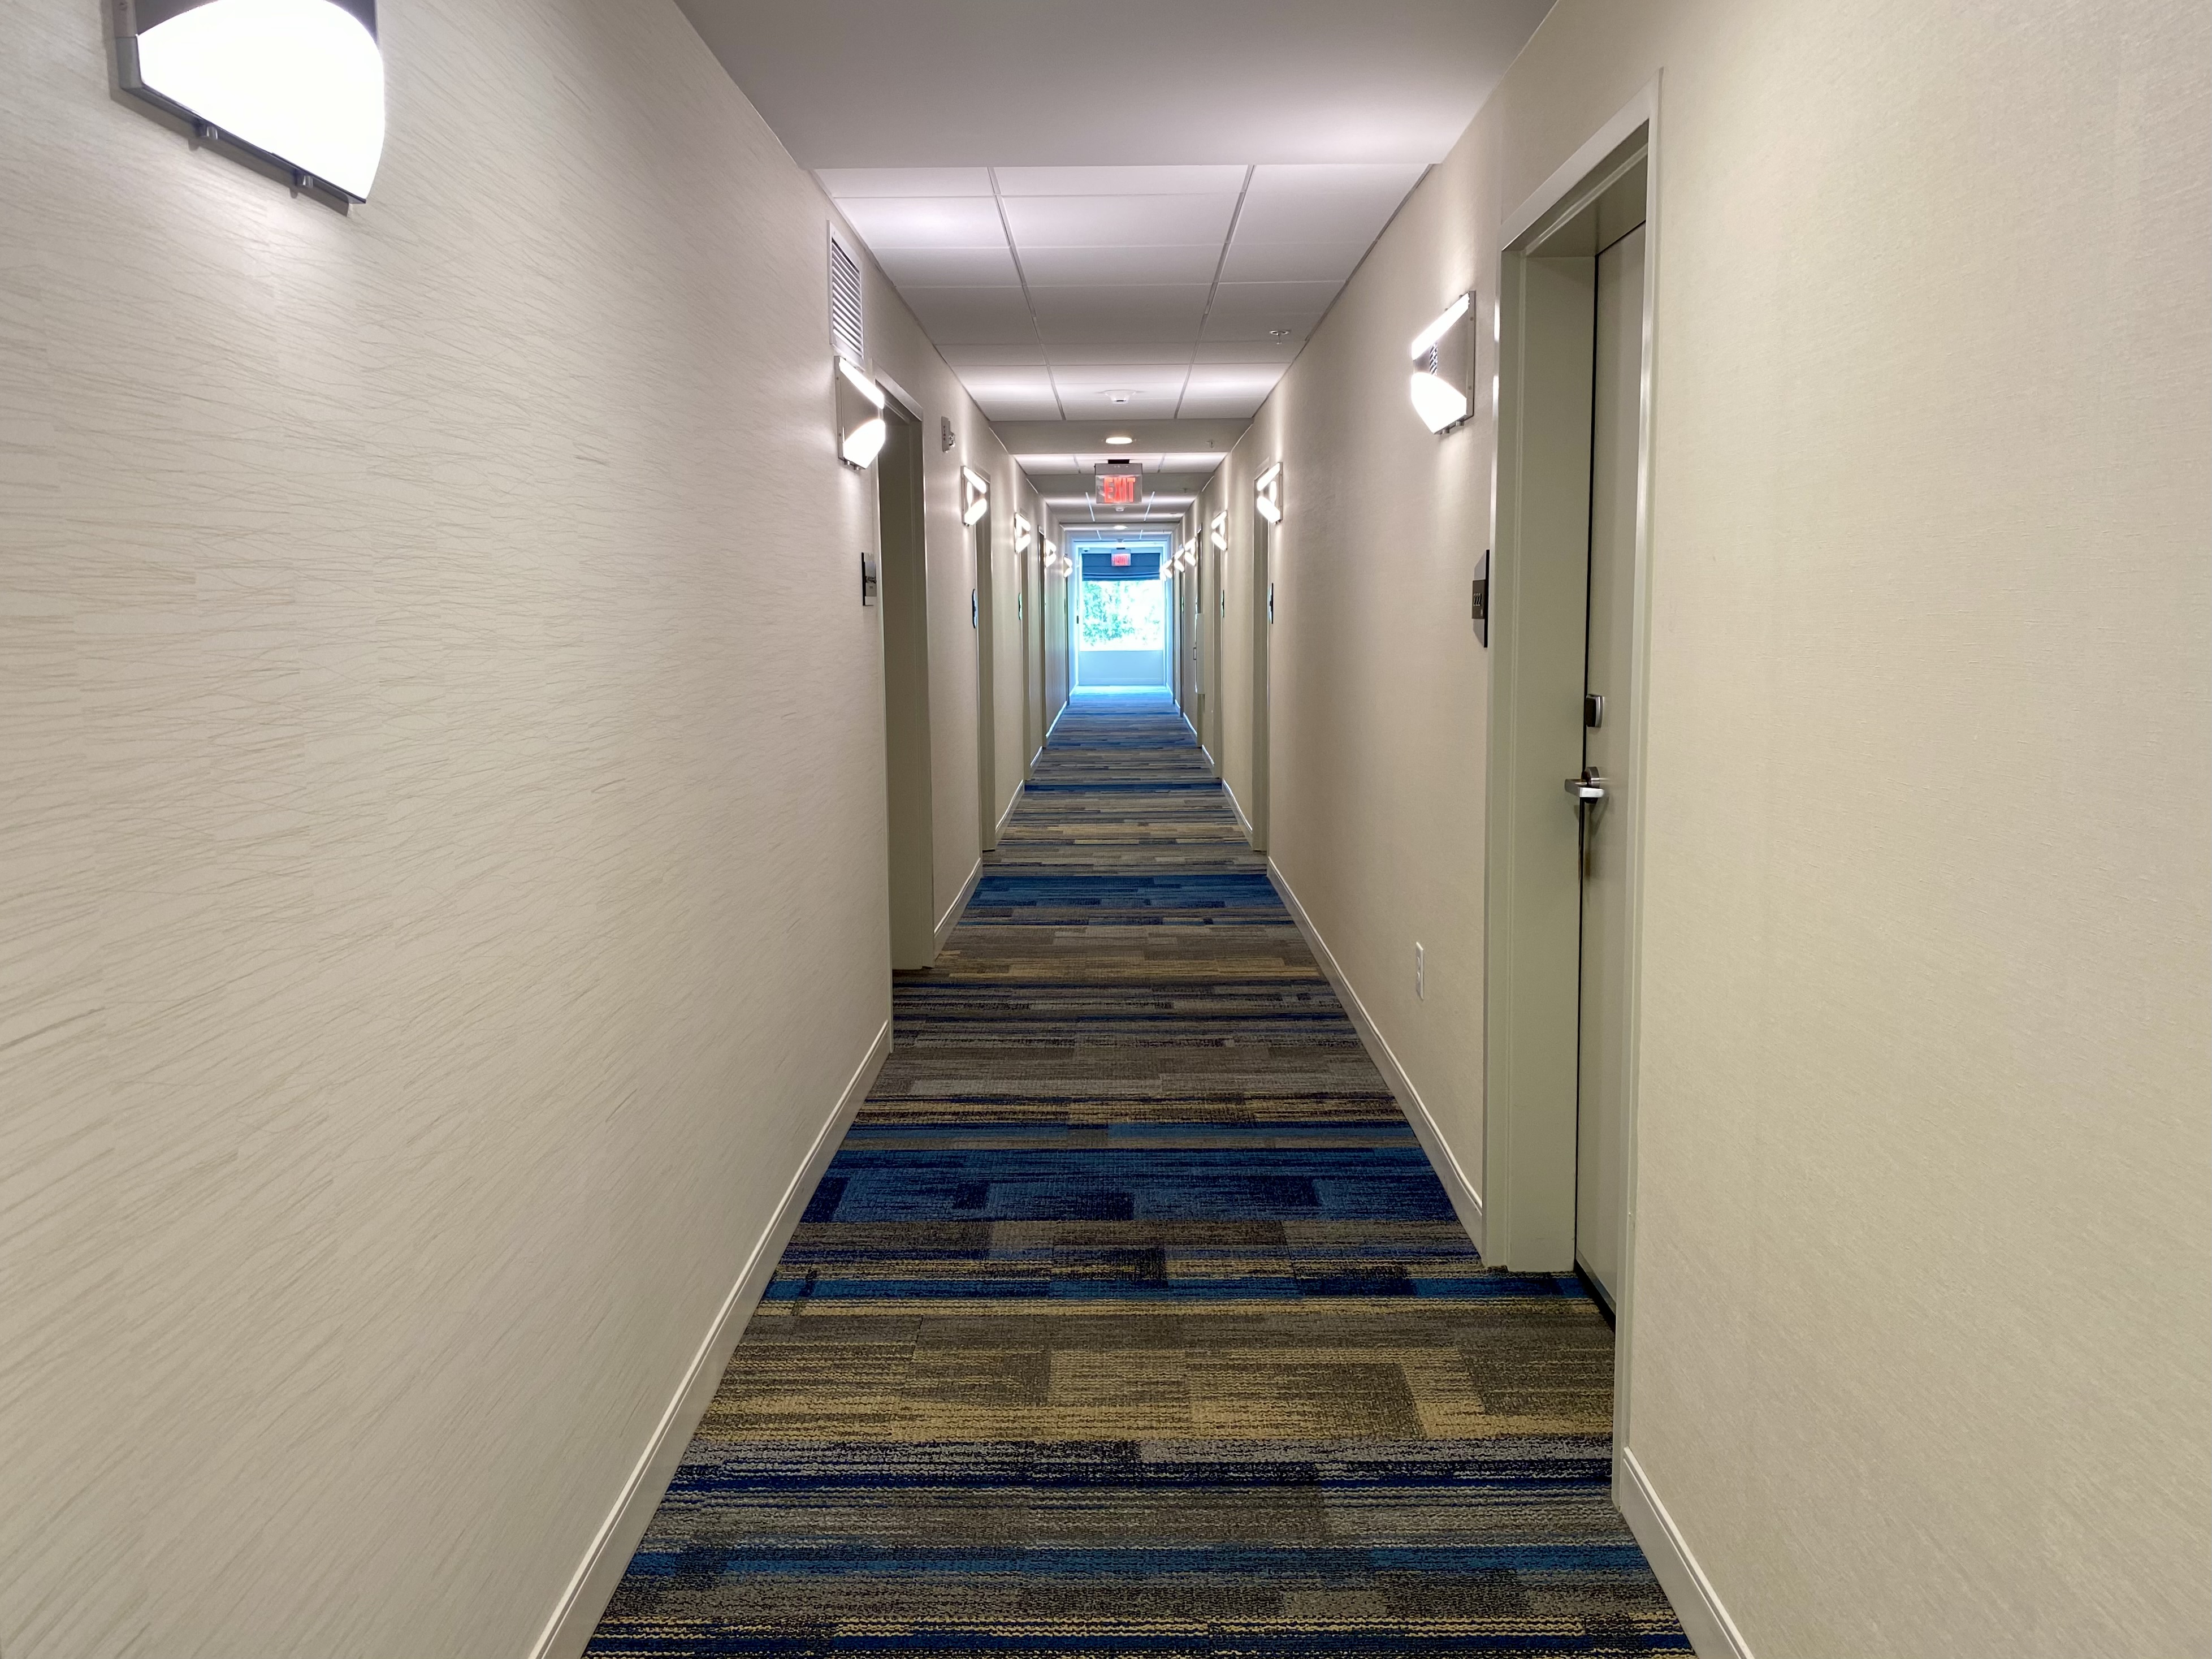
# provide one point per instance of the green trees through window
(1123, 617)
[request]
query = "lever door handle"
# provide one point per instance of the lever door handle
(1586, 786)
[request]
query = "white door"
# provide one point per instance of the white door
(1600, 1193)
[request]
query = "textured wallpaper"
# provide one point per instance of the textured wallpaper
(1920, 1351)
(441, 875)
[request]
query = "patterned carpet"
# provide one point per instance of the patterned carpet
(1130, 1318)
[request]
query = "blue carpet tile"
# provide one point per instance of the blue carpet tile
(1130, 1317)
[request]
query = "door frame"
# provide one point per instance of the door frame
(982, 549)
(1262, 625)
(903, 587)
(1537, 621)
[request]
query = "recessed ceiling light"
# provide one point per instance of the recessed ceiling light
(1121, 438)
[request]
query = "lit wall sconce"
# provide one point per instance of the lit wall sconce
(861, 427)
(1217, 532)
(1268, 494)
(974, 495)
(299, 83)
(1444, 368)
(1024, 534)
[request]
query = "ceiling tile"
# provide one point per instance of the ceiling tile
(1190, 460)
(905, 181)
(1122, 182)
(1049, 466)
(949, 267)
(1222, 406)
(1291, 262)
(1324, 202)
(1107, 221)
(972, 316)
(1093, 384)
(895, 222)
(1273, 298)
(1154, 351)
(1286, 330)
(1261, 350)
(995, 356)
(1014, 405)
(1054, 267)
(1036, 382)
(1209, 379)
(1140, 406)
(1156, 311)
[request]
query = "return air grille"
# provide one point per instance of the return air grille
(846, 326)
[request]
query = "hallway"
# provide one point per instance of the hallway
(991, 827)
(1130, 1317)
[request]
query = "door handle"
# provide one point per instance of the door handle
(1586, 786)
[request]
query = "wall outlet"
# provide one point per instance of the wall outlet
(1420, 982)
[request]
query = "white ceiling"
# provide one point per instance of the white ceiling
(1153, 293)
(1138, 212)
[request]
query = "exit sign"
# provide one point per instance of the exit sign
(1121, 558)
(1121, 484)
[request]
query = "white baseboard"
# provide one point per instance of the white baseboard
(1000, 828)
(1705, 1620)
(1466, 1201)
(569, 1630)
(1055, 727)
(1237, 807)
(951, 919)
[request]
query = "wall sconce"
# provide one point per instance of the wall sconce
(1218, 531)
(861, 427)
(974, 495)
(296, 82)
(1025, 533)
(1444, 368)
(1268, 494)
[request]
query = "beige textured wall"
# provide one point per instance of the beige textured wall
(443, 880)
(1920, 1341)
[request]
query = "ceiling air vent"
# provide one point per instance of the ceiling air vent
(845, 327)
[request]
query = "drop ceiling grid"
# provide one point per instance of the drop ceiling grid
(1145, 293)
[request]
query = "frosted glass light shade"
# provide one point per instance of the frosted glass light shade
(1268, 494)
(861, 427)
(1442, 384)
(865, 442)
(1440, 406)
(298, 79)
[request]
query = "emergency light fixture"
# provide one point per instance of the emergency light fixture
(296, 82)
(861, 426)
(1443, 383)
